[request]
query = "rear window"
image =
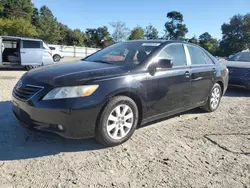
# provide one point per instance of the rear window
(31, 44)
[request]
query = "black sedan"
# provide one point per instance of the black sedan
(110, 93)
(239, 69)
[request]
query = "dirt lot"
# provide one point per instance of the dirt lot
(194, 149)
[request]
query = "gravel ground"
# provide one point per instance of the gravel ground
(194, 149)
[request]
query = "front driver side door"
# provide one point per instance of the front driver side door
(168, 89)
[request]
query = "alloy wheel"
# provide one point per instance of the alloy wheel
(215, 97)
(120, 122)
(56, 58)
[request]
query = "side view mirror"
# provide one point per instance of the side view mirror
(165, 63)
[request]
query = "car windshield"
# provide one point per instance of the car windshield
(124, 53)
(241, 56)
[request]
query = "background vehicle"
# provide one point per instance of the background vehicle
(26, 52)
(56, 53)
(107, 97)
(239, 69)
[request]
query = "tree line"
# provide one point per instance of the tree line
(22, 18)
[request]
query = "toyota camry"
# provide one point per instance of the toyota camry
(110, 93)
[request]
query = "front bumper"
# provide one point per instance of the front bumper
(77, 124)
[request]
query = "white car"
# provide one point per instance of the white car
(56, 53)
(26, 52)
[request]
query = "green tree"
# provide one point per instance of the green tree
(174, 28)
(17, 27)
(63, 34)
(193, 40)
(206, 37)
(47, 25)
(136, 33)
(247, 29)
(120, 32)
(35, 17)
(95, 37)
(75, 37)
(235, 35)
(16, 9)
(209, 43)
(151, 33)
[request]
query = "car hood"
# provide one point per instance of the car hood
(237, 64)
(66, 74)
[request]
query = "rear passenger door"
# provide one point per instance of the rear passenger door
(203, 73)
(31, 52)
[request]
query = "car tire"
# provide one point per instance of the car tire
(29, 67)
(56, 58)
(214, 99)
(117, 122)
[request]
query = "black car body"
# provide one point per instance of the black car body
(157, 90)
(239, 69)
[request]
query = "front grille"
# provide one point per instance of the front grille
(24, 93)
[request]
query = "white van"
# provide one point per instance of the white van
(26, 52)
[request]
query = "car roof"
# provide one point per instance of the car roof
(18, 38)
(162, 41)
(148, 41)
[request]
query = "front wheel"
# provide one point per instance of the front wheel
(214, 99)
(117, 121)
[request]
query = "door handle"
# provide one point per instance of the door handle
(214, 70)
(22, 52)
(187, 74)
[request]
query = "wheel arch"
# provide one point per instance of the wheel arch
(57, 54)
(131, 95)
(221, 85)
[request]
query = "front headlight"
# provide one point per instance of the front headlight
(71, 92)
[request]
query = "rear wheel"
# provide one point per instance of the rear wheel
(213, 99)
(56, 58)
(29, 67)
(117, 121)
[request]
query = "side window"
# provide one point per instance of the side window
(176, 53)
(208, 59)
(197, 55)
(31, 44)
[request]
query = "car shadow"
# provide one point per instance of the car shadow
(18, 68)
(17, 142)
(237, 92)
